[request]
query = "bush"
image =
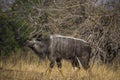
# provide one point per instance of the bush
(13, 33)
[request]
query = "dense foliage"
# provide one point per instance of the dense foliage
(13, 33)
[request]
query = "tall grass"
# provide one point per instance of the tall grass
(28, 67)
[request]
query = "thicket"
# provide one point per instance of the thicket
(13, 33)
(97, 21)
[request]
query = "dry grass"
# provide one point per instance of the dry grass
(24, 70)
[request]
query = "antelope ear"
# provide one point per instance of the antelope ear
(39, 37)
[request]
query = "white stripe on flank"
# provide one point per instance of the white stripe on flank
(51, 37)
(70, 38)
